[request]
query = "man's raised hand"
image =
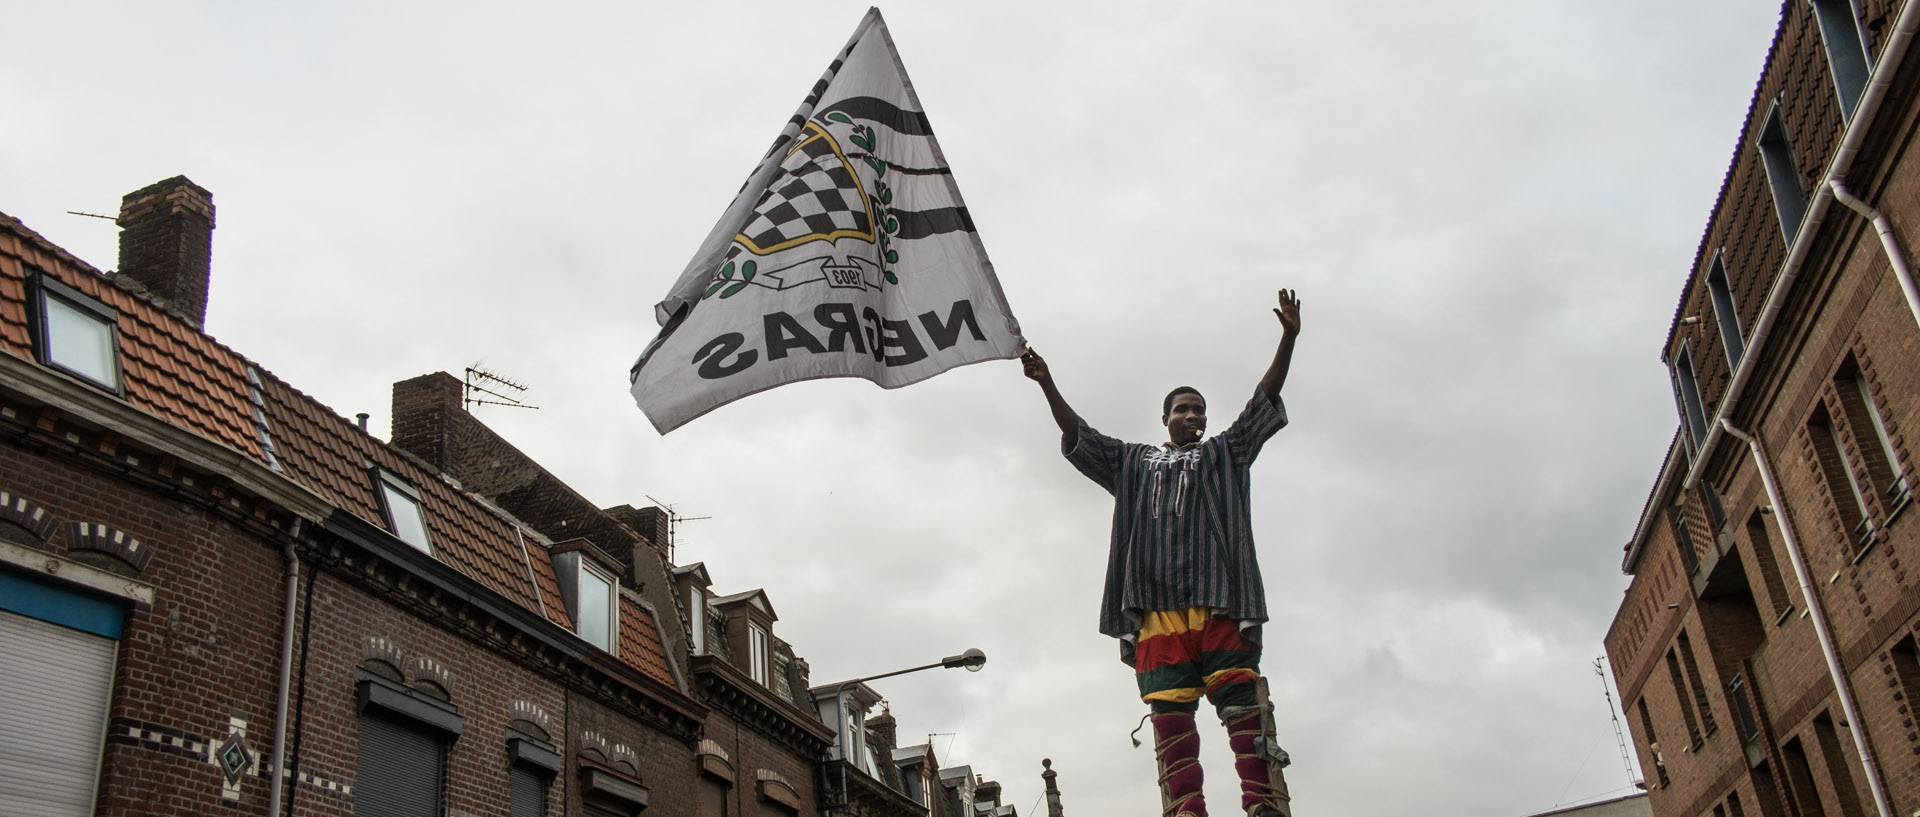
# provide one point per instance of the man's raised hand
(1289, 312)
(1034, 366)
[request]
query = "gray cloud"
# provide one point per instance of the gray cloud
(1488, 207)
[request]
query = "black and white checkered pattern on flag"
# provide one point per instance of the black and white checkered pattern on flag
(815, 197)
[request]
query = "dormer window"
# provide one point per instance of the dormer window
(757, 644)
(401, 503)
(591, 591)
(76, 334)
(596, 606)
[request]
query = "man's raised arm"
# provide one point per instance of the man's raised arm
(1035, 368)
(1289, 314)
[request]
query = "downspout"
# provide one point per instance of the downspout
(1817, 612)
(1888, 241)
(285, 692)
(1856, 134)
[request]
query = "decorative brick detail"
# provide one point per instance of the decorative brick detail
(321, 782)
(177, 742)
(383, 650)
(27, 514)
(427, 669)
(524, 710)
(109, 540)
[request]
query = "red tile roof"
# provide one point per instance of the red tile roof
(169, 369)
(178, 374)
(640, 642)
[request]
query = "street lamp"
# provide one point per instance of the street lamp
(973, 659)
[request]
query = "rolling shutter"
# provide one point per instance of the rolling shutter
(400, 770)
(54, 686)
(529, 792)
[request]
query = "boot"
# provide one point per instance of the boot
(1176, 745)
(1263, 792)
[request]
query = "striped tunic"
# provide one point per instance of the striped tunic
(1182, 522)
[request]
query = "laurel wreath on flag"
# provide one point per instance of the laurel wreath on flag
(726, 285)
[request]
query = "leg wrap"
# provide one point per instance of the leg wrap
(1176, 744)
(1256, 770)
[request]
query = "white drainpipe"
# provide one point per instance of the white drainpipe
(1817, 612)
(1856, 134)
(1888, 241)
(279, 756)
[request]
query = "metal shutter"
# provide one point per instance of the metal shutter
(529, 792)
(400, 770)
(54, 687)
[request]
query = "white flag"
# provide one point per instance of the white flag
(848, 253)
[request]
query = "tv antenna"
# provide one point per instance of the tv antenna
(673, 523)
(484, 382)
(90, 215)
(1599, 668)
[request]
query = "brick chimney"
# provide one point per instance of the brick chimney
(166, 245)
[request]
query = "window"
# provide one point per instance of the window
(1686, 701)
(1768, 569)
(1653, 743)
(402, 761)
(77, 334)
(532, 764)
(1742, 708)
(1839, 477)
(1724, 312)
(1783, 173)
(713, 796)
(1846, 51)
(697, 617)
(527, 792)
(404, 515)
(1687, 391)
(1699, 688)
(597, 605)
(757, 645)
(1882, 461)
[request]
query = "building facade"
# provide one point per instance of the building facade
(1765, 650)
(217, 595)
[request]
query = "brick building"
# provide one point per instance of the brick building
(203, 569)
(1765, 650)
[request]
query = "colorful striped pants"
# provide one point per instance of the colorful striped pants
(1181, 655)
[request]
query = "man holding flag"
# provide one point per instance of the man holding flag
(1183, 591)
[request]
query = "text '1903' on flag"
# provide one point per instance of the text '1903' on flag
(848, 253)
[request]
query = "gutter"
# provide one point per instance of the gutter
(1667, 473)
(1888, 241)
(1817, 611)
(1856, 135)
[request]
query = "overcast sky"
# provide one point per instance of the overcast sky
(1488, 208)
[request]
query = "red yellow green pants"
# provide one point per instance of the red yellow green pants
(1182, 655)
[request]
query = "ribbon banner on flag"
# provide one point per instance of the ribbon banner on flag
(848, 253)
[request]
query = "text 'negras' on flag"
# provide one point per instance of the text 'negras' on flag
(848, 253)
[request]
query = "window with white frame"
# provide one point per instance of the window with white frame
(697, 619)
(405, 516)
(76, 334)
(599, 604)
(757, 646)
